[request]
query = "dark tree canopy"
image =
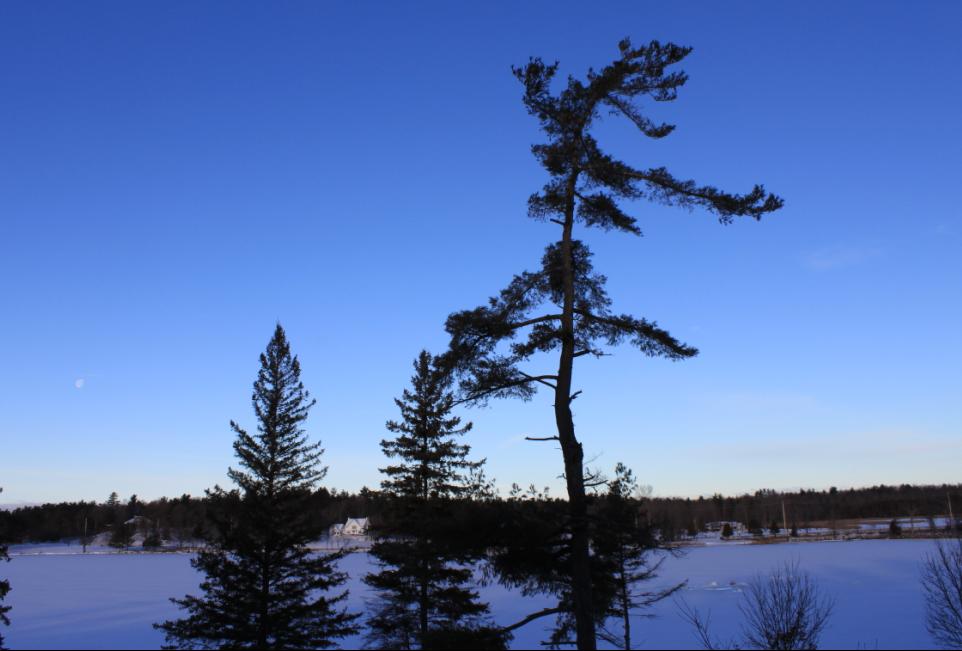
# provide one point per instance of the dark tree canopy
(600, 181)
(121, 534)
(563, 306)
(489, 371)
(533, 553)
(264, 588)
(425, 599)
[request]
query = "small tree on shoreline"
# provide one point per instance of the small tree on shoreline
(783, 610)
(626, 546)
(942, 586)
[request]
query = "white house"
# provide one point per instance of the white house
(140, 523)
(717, 527)
(355, 527)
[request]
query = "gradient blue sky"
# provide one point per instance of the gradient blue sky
(177, 177)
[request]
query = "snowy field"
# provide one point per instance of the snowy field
(62, 599)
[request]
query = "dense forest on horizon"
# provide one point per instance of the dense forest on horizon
(184, 519)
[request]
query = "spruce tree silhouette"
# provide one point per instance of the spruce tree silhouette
(424, 597)
(586, 186)
(264, 588)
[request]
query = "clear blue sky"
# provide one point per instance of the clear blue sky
(175, 177)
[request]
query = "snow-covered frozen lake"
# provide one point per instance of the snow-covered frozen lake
(68, 600)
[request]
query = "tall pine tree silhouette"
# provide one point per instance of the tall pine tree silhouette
(263, 588)
(424, 599)
(4, 589)
(563, 307)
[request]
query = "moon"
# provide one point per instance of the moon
(79, 383)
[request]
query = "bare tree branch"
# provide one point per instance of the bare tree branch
(542, 379)
(540, 319)
(530, 618)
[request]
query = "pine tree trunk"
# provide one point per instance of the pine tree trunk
(424, 603)
(625, 601)
(570, 447)
(264, 628)
(422, 544)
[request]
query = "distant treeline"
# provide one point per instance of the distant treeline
(184, 519)
(179, 520)
(805, 507)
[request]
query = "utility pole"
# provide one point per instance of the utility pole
(85, 535)
(948, 498)
(785, 520)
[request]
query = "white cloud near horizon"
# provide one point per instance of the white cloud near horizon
(838, 256)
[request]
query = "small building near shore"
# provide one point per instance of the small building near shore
(353, 527)
(718, 527)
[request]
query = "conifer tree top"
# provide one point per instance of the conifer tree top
(431, 463)
(278, 457)
(572, 155)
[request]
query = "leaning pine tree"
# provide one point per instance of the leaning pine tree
(586, 186)
(264, 588)
(424, 598)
